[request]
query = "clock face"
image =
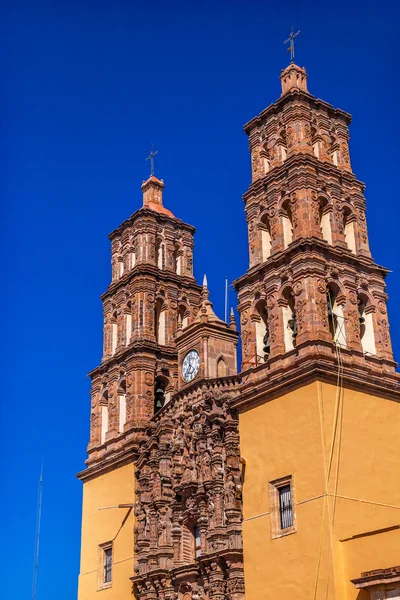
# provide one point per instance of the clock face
(190, 365)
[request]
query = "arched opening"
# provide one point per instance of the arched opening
(178, 262)
(222, 370)
(183, 316)
(120, 266)
(367, 336)
(122, 406)
(289, 320)
(159, 322)
(104, 416)
(114, 333)
(263, 344)
(287, 224)
(325, 220)
(335, 315)
(128, 323)
(349, 232)
(161, 397)
(161, 254)
(282, 146)
(266, 239)
(132, 257)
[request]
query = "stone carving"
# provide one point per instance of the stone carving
(188, 473)
(300, 308)
(384, 336)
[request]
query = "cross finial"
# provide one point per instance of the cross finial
(151, 158)
(290, 40)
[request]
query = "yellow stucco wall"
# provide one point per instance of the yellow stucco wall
(291, 435)
(100, 526)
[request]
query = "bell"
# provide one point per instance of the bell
(159, 403)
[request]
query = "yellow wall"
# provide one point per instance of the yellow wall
(291, 435)
(116, 487)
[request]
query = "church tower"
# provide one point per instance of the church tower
(152, 298)
(319, 392)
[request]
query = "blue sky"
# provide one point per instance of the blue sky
(87, 86)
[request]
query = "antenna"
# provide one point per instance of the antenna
(226, 300)
(37, 535)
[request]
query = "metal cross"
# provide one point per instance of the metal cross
(151, 159)
(290, 40)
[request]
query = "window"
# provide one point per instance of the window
(285, 506)
(105, 565)
(197, 541)
(281, 498)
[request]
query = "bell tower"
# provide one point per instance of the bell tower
(318, 392)
(152, 290)
(312, 283)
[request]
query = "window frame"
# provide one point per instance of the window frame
(102, 565)
(196, 547)
(274, 501)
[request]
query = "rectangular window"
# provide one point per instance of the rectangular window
(197, 542)
(105, 565)
(282, 507)
(285, 506)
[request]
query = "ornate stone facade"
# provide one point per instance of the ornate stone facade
(188, 487)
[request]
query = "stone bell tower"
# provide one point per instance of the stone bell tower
(318, 393)
(312, 281)
(152, 291)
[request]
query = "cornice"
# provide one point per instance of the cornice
(145, 269)
(108, 463)
(299, 160)
(326, 253)
(137, 349)
(314, 368)
(293, 96)
(147, 212)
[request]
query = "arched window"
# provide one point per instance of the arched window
(161, 255)
(287, 224)
(263, 345)
(178, 262)
(133, 257)
(367, 336)
(221, 368)
(122, 406)
(128, 323)
(120, 266)
(161, 396)
(289, 320)
(159, 322)
(349, 232)
(335, 315)
(114, 333)
(183, 315)
(265, 238)
(104, 416)
(325, 220)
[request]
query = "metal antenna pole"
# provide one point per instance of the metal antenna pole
(226, 300)
(37, 535)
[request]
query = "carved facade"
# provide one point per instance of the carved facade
(188, 540)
